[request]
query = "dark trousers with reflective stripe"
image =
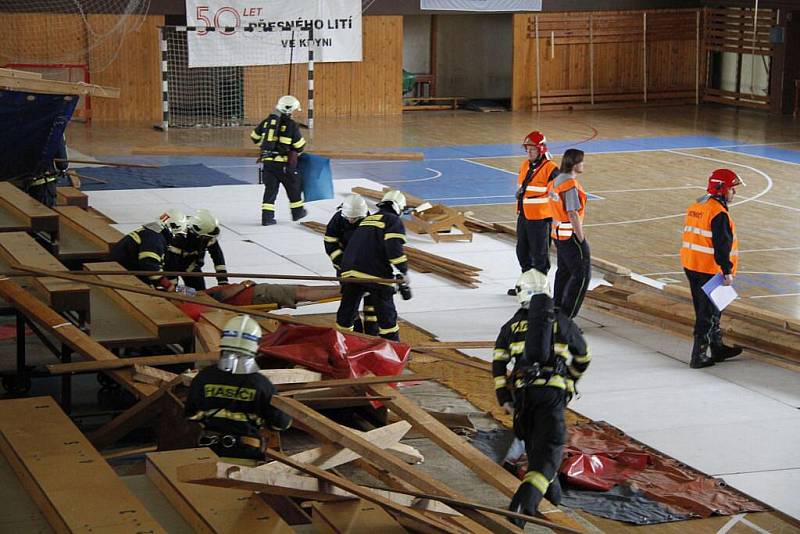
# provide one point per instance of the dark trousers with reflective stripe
(275, 174)
(382, 298)
(533, 244)
(195, 282)
(572, 276)
(706, 315)
(539, 422)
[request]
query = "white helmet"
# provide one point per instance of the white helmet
(397, 199)
(287, 105)
(204, 223)
(354, 207)
(173, 220)
(532, 282)
(239, 345)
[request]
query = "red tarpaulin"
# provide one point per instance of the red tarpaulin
(334, 353)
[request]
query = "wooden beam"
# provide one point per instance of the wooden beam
(74, 487)
(327, 430)
(33, 214)
(53, 87)
(210, 509)
(459, 448)
(151, 375)
(68, 333)
(184, 150)
(363, 381)
(353, 516)
(137, 415)
(16, 73)
(120, 363)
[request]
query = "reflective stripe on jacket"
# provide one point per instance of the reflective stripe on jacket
(697, 249)
(535, 206)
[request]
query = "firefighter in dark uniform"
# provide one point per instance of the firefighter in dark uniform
(144, 248)
(43, 186)
(549, 356)
(710, 247)
(187, 251)
(337, 234)
(375, 249)
(281, 143)
(231, 400)
(534, 181)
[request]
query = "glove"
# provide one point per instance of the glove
(571, 391)
(165, 284)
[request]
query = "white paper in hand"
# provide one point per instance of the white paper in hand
(720, 295)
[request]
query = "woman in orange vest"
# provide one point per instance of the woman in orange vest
(534, 181)
(568, 204)
(709, 247)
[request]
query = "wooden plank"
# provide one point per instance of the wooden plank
(90, 226)
(71, 196)
(363, 381)
(68, 333)
(151, 375)
(211, 509)
(475, 460)
(327, 430)
(55, 87)
(351, 517)
(330, 456)
(15, 73)
(35, 215)
(76, 490)
(161, 316)
(61, 295)
(106, 365)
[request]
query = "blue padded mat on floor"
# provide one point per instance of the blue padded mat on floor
(197, 175)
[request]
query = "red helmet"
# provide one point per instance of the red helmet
(721, 180)
(537, 139)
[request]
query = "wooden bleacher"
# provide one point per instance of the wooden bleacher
(71, 196)
(20, 212)
(84, 236)
(73, 486)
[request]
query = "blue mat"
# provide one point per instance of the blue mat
(197, 175)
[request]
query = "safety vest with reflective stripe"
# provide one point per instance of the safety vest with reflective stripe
(534, 199)
(562, 227)
(697, 250)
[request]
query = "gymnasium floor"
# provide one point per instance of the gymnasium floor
(738, 420)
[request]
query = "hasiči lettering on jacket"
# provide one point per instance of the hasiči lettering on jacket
(272, 32)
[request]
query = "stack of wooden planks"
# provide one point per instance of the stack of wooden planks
(767, 335)
(425, 262)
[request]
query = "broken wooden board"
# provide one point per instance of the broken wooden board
(61, 295)
(244, 152)
(76, 490)
(328, 431)
(211, 509)
(350, 517)
(152, 375)
(439, 222)
(159, 315)
(71, 196)
(67, 333)
(20, 212)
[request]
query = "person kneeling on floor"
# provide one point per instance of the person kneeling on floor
(232, 399)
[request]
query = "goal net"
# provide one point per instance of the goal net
(225, 96)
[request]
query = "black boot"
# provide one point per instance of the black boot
(298, 213)
(526, 501)
(512, 292)
(553, 493)
(268, 218)
(700, 357)
(719, 350)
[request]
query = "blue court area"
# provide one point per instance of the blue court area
(451, 175)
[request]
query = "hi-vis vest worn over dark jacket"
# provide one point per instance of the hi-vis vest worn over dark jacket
(697, 250)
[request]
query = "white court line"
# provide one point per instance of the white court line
(739, 272)
(647, 189)
(755, 155)
(510, 197)
(650, 219)
(487, 166)
(731, 523)
(773, 296)
(778, 205)
(436, 175)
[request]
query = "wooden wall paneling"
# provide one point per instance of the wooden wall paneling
(521, 62)
(134, 66)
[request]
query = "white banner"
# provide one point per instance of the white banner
(481, 5)
(272, 32)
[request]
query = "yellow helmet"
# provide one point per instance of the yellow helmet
(241, 334)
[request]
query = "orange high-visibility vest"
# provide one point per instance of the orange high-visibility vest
(697, 251)
(534, 199)
(562, 227)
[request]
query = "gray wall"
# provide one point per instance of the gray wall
(417, 43)
(473, 56)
